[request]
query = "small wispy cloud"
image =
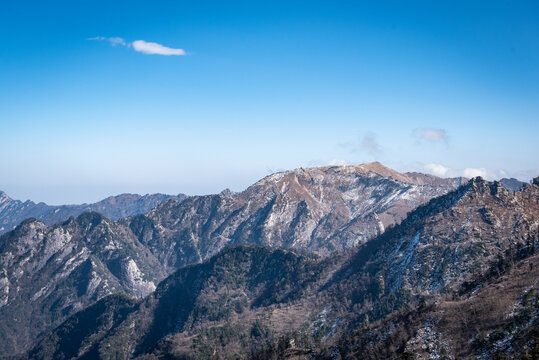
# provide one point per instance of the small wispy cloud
(431, 134)
(437, 169)
(366, 144)
(370, 145)
(142, 46)
(112, 40)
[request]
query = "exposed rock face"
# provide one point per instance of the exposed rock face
(51, 272)
(48, 273)
(13, 212)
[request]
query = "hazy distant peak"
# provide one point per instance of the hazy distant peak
(512, 184)
(12, 212)
(228, 193)
(4, 197)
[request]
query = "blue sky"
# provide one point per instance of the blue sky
(90, 105)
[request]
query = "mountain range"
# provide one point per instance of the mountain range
(13, 212)
(448, 282)
(306, 263)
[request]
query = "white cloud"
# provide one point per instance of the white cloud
(486, 174)
(152, 48)
(145, 47)
(112, 40)
(444, 171)
(430, 134)
(473, 172)
(437, 169)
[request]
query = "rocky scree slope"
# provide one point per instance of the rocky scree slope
(251, 302)
(13, 212)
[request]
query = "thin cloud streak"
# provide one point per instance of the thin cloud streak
(142, 46)
(366, 144)
(112, 40)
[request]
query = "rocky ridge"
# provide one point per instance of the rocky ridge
(13, 212)
(318, 210)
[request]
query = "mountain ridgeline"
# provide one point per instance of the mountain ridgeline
(13, 212)
(318, 210)
(456, 279)
(302, 264)
(50, 272)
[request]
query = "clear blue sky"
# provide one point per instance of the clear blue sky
(445, 87)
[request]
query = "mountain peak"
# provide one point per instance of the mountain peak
(382, 170)
(3, 197)
(228, 193)
(512, 184)
(31, 222)
(376, 166)
(28, 225)
(91, 218)
(478, 181)
(482, 187)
